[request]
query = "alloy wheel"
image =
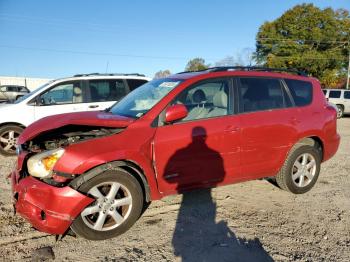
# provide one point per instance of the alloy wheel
(8, 140)
(112, 206)
(304, 170)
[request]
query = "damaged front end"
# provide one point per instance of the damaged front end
(67, 135)
(42, 195)
(45, 150)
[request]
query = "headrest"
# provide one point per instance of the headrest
(198, 96)
(220, 99)
(77, 90)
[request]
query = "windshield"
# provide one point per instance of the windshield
(22, 98)
(143, 98)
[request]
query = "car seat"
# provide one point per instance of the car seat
(199, 111)
(220, 104)
(77, 94)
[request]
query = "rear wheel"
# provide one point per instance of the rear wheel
(117, 206)
(340, 111)
(300, 170)
(8, 139)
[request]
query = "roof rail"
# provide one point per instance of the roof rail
(248, 68)
(109, 74)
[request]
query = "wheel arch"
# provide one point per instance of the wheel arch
(313, 141)
(12, 124)
(129, 166)
(342, 105)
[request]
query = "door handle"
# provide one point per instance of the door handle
(93, 106)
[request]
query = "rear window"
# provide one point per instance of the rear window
(135, 83)
(301, 91)
(334, 94)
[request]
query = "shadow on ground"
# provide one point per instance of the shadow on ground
(197, 236)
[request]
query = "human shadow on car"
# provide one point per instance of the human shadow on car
(197, 235)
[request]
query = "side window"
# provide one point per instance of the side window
(301, 91)
(347, 94)
(65, 93)
(106, 90)
(12, 89)
(334, 94)
(3, 88)
(205, 100)
(135, 83)
(258, 94)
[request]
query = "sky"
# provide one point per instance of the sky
(51, 39)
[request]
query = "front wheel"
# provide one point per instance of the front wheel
(118, 205)
(300, 170)
(8, 139)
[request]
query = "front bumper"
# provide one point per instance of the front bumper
(49, 209)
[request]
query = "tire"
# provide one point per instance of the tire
(18, 97)
(8, 139)
(297, 177)
(340, 111)
(88, 225)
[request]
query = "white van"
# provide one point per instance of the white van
(339, 97)
(86, 92)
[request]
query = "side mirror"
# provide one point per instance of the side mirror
(175, 113)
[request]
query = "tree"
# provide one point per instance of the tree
(228, 61)
(162, 74)
(196, 64)
(242, 58)
(309, 39)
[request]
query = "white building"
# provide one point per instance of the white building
(30, 83)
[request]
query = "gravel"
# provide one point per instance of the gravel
(251, 221)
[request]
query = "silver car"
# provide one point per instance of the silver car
(12, 92)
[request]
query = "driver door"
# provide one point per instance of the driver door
(202, 149)
(62, 98)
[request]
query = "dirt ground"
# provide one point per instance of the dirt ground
(252, 221)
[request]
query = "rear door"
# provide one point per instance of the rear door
(269, 125)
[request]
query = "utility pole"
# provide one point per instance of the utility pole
(347, 79)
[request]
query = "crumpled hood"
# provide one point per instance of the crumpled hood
(94, 118)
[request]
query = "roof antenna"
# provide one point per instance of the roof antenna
(107, 67)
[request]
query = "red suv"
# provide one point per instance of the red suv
(95, 172)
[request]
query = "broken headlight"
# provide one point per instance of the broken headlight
(41, 165)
